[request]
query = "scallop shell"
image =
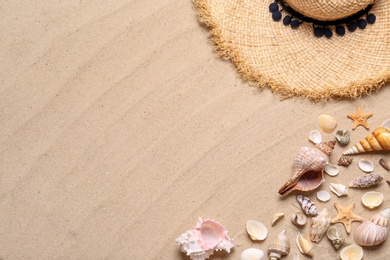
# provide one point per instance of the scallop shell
(331, 170)
(276, 217)
(327, 123)
(201, 241)
(342, 136)
(308, 168)
(352, 252)
(319, 225)
(366, 165)
(256, 230)
(280, 247)
(344, 161)
(379, 140)
(384, 164)
(335, 237)
(374, 231)
(252, 254)
(366, 181)
(372, 199)
(304, 245)
(315, 137)
(338, 189)
(323, 196)
(298, 219)
(308, 207)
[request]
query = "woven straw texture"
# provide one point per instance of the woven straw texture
(295, 62)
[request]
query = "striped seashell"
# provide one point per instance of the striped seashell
(308, 207)
(373, 232)
(319, 225)
(344, 161)
(384, 164)
(366, 181)
(280, 247)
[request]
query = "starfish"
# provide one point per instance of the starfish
(359, 118)
(346, 216)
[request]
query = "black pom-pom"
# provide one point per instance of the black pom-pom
(352, 26)
(340, 30)
(318, 32)
(362, 23)
(276, 16)
(371, 18)
(273, 7)
(287, 20)
(294, 24)
(328, 33)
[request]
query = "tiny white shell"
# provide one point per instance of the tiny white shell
(256, 230)
(352, 252)
(252, 254)
(366, 165)
(331, 170)
(372, 199)
(315, 137)
(323, 196)
(276, 217)
(338, 189)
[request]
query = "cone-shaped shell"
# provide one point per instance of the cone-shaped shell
(280, 247)
(308, 206)
(373, 232)
(366, 181)
(379, 140)
(319, 225)
(304, 245)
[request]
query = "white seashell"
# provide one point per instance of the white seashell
(335, 236)
(372, 199)
(252, 254)
(319, 225)
(298, 219)
(276, 217)
(323, 196)
(352, 252)
(366, 165)
(309, 208)
(304, 245)
(331, 170)
(315, 137)
(338, 189)
(327, 123)
(280, 247)
(256, 230)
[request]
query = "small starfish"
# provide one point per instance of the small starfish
(346, 216)
(359, 118)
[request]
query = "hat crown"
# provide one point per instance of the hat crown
(328, 10)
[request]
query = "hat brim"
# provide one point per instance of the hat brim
(293, 62)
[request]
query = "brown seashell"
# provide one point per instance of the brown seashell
(308, 168)
(345, 161)
(379, 140)
(384, 164)
(366, 181)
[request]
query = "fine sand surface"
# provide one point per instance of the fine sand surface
(120, 126)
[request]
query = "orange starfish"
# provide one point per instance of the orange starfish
(346, 216)
(359, 118)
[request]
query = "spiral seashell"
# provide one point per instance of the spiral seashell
(308, 206)
(374, 231)
(366, 181)
(308, 168)
(280, 247)
(342, 136)
(298, 219)
(335, 237)
(384, 164)
(319, 225)
(304, 245)
(379, 140)
(344, 161)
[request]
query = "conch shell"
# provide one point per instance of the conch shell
(201, 241)
(319, 225)
(308, 168)
(379, 140)
(373, 232)
(280, 247)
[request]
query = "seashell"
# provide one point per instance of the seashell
(335, 237)
(256, 230)
(280, 247)
(366, 165)
(342, 136)
(384, 164)
(304, 245)
(252, 254)
(296, 255)
(309, 208)
(308, 168)
(352, 252)
(298, 219)
(327, 123)
(276, 217)
(388, 182)
(323, 196)
(366, 181)
(315, 137)
(338, 189)
(319, 225)
(379, 140)
(201, 241)
(331, 170)
(372, 199)
(374, 231)
(344, 161)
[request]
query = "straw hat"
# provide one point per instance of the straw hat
(319, 49)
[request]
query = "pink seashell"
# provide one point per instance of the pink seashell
(201, 241)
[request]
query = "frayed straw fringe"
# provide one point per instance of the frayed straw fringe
(227, 51)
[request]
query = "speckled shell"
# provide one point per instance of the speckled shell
(280, 247)
(308, 206)
(319, 225)
(335, 237)
(366, 181)
(342, 136)
(344, 161)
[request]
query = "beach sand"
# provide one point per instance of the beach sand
(120, 126)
